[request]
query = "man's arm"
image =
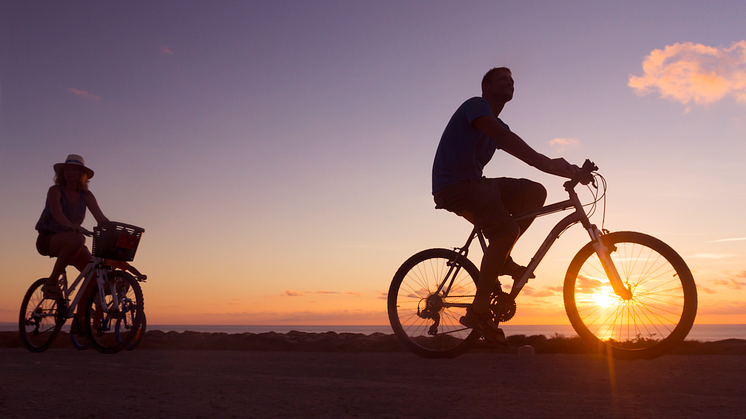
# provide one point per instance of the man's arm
(515, 146)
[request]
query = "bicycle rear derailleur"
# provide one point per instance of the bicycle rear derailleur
(433, 305)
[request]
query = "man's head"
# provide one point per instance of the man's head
(498, 84)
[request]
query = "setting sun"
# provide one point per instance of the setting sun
(605, 297)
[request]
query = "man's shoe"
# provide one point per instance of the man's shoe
(483, 323)
(514, 270)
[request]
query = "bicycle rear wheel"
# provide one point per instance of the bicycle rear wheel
(103, 334)
(40, 319)
(421, 315)
(657, 317)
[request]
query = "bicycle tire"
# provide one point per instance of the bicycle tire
(414, 283)
(39, 320)
(138, 335)
(80, 339)
(102, 332)
(659, 315)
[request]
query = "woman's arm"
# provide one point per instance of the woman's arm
(94, 209)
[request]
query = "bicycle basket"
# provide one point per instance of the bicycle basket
(118, 241)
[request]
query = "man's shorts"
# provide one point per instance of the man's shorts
(485, 202)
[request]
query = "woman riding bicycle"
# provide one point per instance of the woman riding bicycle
(59, 227)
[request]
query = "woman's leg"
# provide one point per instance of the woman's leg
(65, 247)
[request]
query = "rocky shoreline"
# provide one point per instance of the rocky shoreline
(356, 342)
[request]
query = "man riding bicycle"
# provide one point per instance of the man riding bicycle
(468, 143)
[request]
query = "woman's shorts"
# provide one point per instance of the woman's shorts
(43, 243)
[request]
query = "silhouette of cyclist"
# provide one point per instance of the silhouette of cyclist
(466, 146)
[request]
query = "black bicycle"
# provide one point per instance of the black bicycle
(626, 294)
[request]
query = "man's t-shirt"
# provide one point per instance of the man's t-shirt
(463, 150)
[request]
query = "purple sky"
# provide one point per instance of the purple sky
(278, 153)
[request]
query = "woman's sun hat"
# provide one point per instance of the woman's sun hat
(76, 160)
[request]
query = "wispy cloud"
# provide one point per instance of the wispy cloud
(289, 293)
(546, 292)
(711, 255)
(737, 239)
(696, 73)
(166, 50)
(84, 94)
(730, 283)
(561, 144)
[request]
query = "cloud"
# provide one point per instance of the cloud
(289, 293)
(723, 308)
(736, 239)
(546, 292)
(165, 50)
(711, 255)
(730, 283)
(706, 290)
(84, 94)
(696, 73)
(561, 144)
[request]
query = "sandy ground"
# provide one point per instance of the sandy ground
(65, 383)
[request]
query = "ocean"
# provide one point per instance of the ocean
(700, 332)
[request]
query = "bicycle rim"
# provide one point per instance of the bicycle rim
(660, 313)
(103, 333)
(39, 321)
(79, 338)
(420, 316)
(124, 326)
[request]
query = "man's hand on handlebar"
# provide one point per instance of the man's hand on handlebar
(561, 167)
(585, 173)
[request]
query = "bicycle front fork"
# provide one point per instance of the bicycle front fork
(604, 255)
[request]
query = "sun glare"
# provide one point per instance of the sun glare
(605, 297)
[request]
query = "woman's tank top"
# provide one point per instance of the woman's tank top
(47, 224)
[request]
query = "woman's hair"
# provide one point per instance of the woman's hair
(59, 179)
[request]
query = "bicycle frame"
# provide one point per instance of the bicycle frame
(577, 216)
(95, 265)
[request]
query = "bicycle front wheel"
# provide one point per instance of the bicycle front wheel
(103, 333)
(421, 303)
(40, 319)
(124, 325)
(657, 317)
(78, 335)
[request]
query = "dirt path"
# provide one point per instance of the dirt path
(66, 383)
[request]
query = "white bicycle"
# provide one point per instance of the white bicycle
(114, 311)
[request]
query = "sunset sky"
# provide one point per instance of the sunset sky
(278, 153)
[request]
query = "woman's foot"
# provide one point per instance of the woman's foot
(51, 291)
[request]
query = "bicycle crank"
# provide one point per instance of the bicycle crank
(502, 306)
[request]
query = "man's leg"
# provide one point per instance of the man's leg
(492, 265)
(521, 195)
(518, 196)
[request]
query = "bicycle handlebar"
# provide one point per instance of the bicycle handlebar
(583, 176)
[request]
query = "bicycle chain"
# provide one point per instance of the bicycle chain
(498, 317)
